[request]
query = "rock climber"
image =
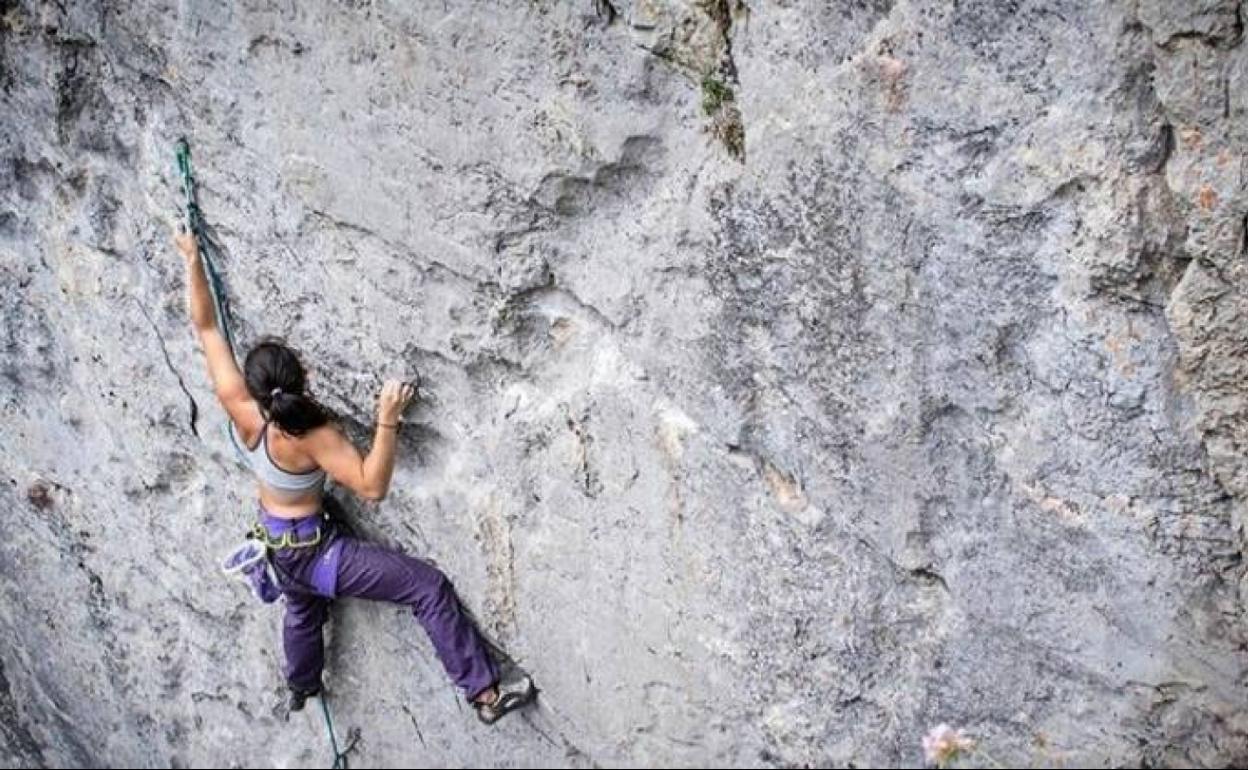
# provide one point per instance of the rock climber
(291, 445)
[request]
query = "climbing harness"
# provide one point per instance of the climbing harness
(288, 539)
(252, 560)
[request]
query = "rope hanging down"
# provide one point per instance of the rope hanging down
(340, 756)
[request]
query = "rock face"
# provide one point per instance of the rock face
(798, 375)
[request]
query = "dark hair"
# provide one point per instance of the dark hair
(276, 380)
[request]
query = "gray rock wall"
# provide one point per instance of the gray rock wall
(798, 375)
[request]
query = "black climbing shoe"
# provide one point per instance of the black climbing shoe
(298, 697)
(513, 693)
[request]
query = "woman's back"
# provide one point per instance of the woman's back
(290, 481)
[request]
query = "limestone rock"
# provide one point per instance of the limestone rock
(799, 376)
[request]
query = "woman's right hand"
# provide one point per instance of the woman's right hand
(395, 396)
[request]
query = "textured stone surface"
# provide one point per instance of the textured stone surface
(799, 376)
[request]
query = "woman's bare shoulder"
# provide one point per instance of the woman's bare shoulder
(327, 435)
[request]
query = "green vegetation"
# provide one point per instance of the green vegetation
(715, 93)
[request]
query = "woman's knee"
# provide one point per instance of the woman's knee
(302, 614)
(440, 592)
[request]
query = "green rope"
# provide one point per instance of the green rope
(195, 224)
(216, 287)
(340, 757)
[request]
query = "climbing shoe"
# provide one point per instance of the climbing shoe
(513, 692)
(297, 698)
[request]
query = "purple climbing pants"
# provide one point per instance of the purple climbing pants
(310, 579)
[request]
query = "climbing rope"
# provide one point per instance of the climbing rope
(207, 249)
(340, 757)
(195, 224)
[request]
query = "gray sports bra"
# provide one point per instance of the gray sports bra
(267, 471)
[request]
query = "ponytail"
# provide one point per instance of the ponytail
(296, 413)
(276, 380)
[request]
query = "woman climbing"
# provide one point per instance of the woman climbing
(292, 446)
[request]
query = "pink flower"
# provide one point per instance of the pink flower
(944, 744)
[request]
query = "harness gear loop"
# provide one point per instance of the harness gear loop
(286, 540)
